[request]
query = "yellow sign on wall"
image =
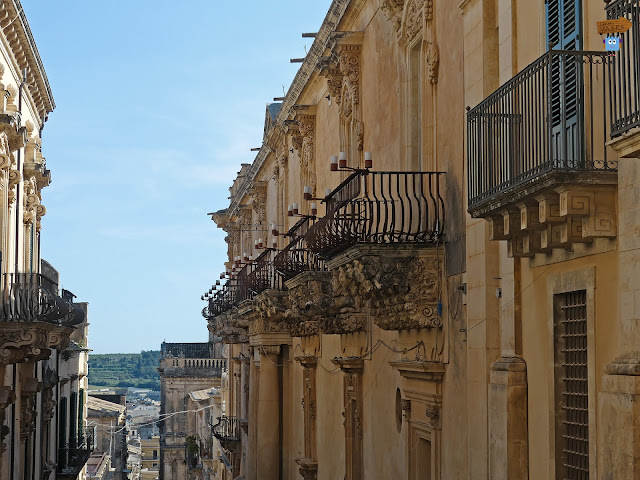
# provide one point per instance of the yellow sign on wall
(619, 25)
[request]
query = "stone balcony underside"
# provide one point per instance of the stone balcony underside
(397, 285)
(555, 210)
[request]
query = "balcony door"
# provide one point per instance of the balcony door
(564, 20)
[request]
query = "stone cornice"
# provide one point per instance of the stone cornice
(430, 371)
(307, 69)
(15, 27)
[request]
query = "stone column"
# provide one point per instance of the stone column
(618, 442)
(268, 442)
(252, 414)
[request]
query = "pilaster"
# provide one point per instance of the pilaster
(508, 431)
(268, 426)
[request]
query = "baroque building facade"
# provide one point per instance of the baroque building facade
(188, 374)
(433, 258)
(43, 332)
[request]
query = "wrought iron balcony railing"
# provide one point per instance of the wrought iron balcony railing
(227, 429)
(624, 87)
(380, 208)
(31, 297)
(72, 460)
(550, 118)
(296, 257)
(252, 279)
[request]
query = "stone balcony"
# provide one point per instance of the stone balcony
(540, 171)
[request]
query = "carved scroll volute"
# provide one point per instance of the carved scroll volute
(14, 179)
(31, 200)
(5, 156)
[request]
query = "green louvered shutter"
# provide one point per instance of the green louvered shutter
(564, 20)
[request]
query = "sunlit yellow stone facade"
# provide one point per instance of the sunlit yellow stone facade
(463, 307)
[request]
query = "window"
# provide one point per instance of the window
(571, 381)
(155, 454)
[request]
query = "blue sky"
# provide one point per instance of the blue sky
(158, 103)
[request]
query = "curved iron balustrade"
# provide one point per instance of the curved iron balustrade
(227, 429)
(380, 208)
(252, 279)
(32, 297)
(550, 117)
(296, 257)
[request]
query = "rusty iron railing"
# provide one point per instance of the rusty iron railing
(380, 208)
(263, 275)
(624, 81)
(227, 429)
(296, 257)
(32, 297)
(252, 279)
(550, 117)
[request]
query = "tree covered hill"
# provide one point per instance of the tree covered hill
(125, 370)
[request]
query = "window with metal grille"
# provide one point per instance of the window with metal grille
(571, 380)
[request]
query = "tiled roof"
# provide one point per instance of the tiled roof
(206, 394)
(274, 108)
(102, 408)
(187, 350)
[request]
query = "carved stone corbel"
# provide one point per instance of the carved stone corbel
(400, 286)
(14, 180)
(28, 407)
(7, 397)
(269, 314)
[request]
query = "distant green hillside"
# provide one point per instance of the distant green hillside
(125, 370)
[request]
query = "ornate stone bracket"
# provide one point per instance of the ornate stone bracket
(28, 408)
(400, 285)
(319, 305)
(268, 317)
(551, 217)
(228, 328)
(308, 468)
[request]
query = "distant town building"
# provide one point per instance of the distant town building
(188, 373)
(109, 420)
